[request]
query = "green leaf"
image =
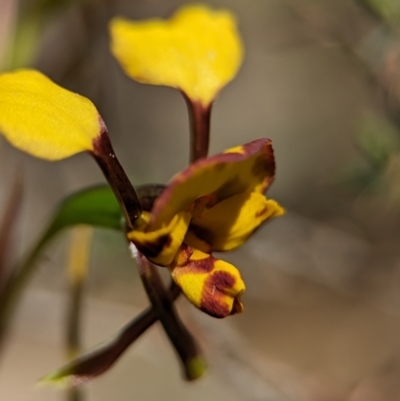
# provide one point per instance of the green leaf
(389, 9)
(378, 139)
(359, 177)
(94, 206)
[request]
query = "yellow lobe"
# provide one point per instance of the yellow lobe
(39, 117)
(197, 51)
(212, 285)
(161, 246)
(236, 149)
(229, 223)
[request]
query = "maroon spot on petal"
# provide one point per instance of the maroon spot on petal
(264, 166)
(212, 306)
(184, 255)
(200, 266)
(262, 212)
(214, 294)
(153, 249)
(230, 188)
(222, 280)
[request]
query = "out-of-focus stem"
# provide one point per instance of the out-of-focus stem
(7, 228)
(77, 271)
(15, 283)
(8, 17)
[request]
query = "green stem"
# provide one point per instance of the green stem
(73, 341)
(16, 282)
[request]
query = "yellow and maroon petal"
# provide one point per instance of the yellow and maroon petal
(162, 245)
(230, 223)
(44, 119)
(213, 285)
(249, 168)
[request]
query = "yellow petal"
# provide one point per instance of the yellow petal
(161, 246)
(216, 178)
(228, 224)
(43, 119)
(213, 285)
(197, 51)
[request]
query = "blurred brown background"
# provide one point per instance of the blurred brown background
(322, 320)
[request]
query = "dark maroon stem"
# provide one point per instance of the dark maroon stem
(94, 363)
(123, 189)
(165, 311)
(199, 120)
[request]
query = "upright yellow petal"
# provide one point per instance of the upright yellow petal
(197, 51)
(43, 119)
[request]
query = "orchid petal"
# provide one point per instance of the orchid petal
(39, 117)
(231, 222)
(213, 285)
(161, 246)
(197, 51)
(249, 168)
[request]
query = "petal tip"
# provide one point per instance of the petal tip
(44, 119)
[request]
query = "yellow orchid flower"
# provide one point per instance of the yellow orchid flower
(197, 51)
(214, 205)
(45, 120)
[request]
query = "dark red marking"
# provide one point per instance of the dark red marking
(151, 250)
(262, 212)
(214, 294)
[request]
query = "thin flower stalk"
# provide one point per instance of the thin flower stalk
(77, 271)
